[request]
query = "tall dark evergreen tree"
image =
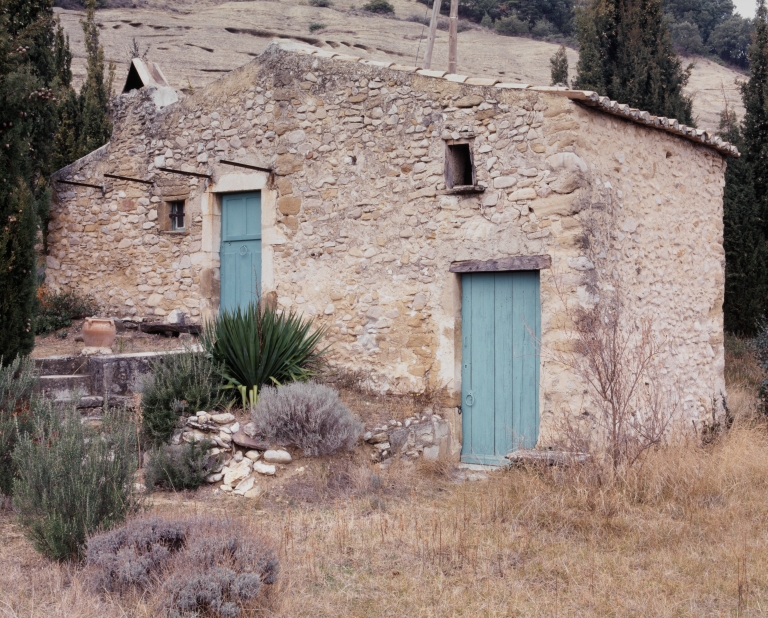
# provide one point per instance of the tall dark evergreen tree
(754, 94)
(96, 127)
(558, 64)
(626, 53)
(745, 201)
(746, 249)
(27, 122)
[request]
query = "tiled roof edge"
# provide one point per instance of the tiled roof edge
(586, 97)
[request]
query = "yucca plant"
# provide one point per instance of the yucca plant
(257, 345)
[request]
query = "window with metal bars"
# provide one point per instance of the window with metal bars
(176, 213)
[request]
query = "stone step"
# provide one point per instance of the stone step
(62, 365)
(63, 387)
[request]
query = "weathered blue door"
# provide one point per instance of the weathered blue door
(501, 324)
(240, 249)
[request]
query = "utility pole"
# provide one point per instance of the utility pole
(432, 33)
(453, 36)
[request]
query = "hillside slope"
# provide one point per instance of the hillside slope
(196, 41)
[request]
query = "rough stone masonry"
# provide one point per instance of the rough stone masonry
(359, 228)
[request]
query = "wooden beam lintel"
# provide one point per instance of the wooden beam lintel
(183, 172)
(80, 184)
(520, 262)
(129, 179)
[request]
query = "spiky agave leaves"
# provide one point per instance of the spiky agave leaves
(257, 345)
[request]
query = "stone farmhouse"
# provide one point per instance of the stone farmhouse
(437, 225)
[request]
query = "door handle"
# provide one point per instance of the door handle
(469, 400)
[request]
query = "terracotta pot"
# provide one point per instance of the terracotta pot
(99, 332)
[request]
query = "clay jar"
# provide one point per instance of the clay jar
(99, 332)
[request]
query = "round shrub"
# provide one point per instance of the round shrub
(131, 557)
(185, 567)
(379, 6)
(306, 414)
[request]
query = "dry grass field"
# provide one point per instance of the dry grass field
(682, 535)
(197, 41)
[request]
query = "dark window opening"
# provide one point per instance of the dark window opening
(177, 216)
(459, 168)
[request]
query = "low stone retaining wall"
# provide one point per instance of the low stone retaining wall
(430, 435)
(97, 380)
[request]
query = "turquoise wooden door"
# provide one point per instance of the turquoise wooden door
(501, 324)
(240, 249)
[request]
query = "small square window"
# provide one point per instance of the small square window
(176, 212)
(459, 165)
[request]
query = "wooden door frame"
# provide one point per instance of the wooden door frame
(235, 182)
(501, 264)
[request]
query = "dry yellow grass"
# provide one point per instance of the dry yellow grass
(682, 535)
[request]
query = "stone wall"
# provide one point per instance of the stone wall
(359, 229)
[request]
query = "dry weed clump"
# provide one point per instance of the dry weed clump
(664, 540)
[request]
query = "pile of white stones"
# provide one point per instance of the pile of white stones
(244, 457)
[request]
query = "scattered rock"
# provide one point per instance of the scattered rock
(253, 455)
(263, 468)
(278, 456)
(245, 485)
(223, 418)
(256, 492)
(234, 474)
(378, 437)
(214, 478)
(245, 442)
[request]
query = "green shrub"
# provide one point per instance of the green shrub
(57, 310)
(511, 26)
(180, 467)
(321, 3)
(315, 26)
(543, 28)
(193, 567)
(308, 415)
(17, 382)
(72, 481)
(378, 6)
(256, 345)
(175, 384)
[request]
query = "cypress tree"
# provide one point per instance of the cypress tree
(559, 67)
(95, 125)
(626, 53)
(27, 123)
(754, 94)
(66, 141)
(745, 202)
(746, 250)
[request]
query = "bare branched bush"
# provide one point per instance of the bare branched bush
(308, 415)
(617, 358)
